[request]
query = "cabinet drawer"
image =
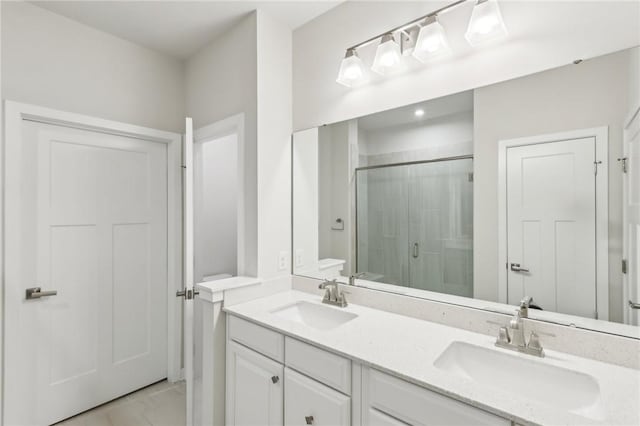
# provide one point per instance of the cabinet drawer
(307, 402)
(418, 406)
(328, 368)
(261, 339)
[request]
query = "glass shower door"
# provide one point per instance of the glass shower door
(440, 211)
(382, 231)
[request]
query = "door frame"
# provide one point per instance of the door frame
(601, 135)
(14, 114)
(630, 129)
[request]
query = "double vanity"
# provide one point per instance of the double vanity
(292, 359)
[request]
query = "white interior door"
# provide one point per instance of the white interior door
(86, 216)
(188, 267)
(551, 225)
(632, 221)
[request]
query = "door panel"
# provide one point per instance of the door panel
(551, 227)
(254, 388)
(88, 219)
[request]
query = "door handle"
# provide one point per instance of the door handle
(515, 267)
(275, 379)
(308, 420)
(416, 250)
(37, 293)
(633, 305)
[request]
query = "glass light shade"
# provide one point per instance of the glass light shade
(431, 42)
(388, 55)
(351, 69)
(486, 23)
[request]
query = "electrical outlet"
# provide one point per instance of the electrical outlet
(282, 260)
(299, 261)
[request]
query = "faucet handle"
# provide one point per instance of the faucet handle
(534, 344)
(503, 335)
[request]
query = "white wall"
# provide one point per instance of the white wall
(446, 136)
(592, 94)
(221, 81)
(543, 35)
(305, 202)
(274, 145)
(52, 61)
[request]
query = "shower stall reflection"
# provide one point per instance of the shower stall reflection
(415, 224)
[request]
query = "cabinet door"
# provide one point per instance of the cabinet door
(254, 388)
(307, 402)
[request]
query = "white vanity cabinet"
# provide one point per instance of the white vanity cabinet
(254, 388)
(278, 380)
(388, 400)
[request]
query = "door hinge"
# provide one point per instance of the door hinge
(470, 176)
(595, 167)
(624, 266)
(623, 160)
(188, 294)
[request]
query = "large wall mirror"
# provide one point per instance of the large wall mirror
(528, 187)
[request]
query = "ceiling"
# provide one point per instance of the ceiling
(447, 105)
(179, 28)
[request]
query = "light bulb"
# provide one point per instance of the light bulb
(419, 112)
(351, 69)
(486, 23)
(431, 41)
(387, 55)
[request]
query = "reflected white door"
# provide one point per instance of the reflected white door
(86, 215)
(551, 225)
(632, 221)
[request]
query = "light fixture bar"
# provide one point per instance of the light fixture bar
(408, 24)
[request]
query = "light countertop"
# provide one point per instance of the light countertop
(408, 347)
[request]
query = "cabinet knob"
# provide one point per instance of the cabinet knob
(308, 419)
(275, 379)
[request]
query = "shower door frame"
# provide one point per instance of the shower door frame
(381, 166)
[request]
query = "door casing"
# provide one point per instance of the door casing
(601, 135)
(14, 114)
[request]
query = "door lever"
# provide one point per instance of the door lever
(633, 305)
(515, 267)
(37, 293)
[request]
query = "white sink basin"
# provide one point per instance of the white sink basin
(530, 379)
(314, 315)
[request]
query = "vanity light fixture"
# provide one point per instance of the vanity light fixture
(486, 23)
(388, 55)
(422, 38)
(432, 40)
(351, 69)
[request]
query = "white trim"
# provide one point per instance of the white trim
(601, 135)
(219, 129)
(15, 113)
(631, 129)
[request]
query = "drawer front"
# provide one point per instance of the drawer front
(378, 418)
(415, 405)
(307, 402)
(258, 338)
(328, 368)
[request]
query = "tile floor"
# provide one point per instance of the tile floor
(161, 404)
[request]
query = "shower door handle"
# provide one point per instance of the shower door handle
(416, 250)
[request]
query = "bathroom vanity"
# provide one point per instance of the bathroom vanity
(293, 360)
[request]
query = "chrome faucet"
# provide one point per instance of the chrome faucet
(512, 337)
(332, 294)
(353, 277)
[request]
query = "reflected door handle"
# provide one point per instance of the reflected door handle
(416, 250)
(37, 293)
(633, 305)
(308, 420)
(515, 267)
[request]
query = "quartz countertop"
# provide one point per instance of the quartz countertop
(408, 347)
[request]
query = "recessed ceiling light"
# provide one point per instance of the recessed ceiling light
(419, 112)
